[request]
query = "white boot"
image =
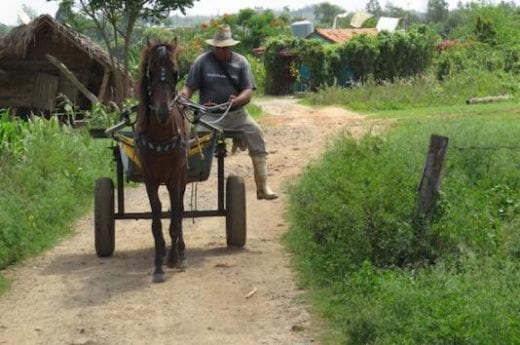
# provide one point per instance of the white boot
(262, 189)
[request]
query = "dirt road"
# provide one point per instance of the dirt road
(226, 296)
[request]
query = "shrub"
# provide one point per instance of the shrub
(350, 228)
(358, 203)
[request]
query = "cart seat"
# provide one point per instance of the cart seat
(200, 156)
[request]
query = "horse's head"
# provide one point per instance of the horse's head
(159, 74)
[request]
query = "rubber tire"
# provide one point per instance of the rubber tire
(236, 232)
(104, 225)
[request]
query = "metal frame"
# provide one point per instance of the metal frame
(220, 153)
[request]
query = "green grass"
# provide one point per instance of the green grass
(46, 187)
(373, 279)
(509, 108)
(254, 110)
(4, 284)
(418, 92)
(437, 305)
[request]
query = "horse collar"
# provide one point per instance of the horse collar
(146, 144)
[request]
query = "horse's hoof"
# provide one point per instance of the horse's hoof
(182, 264)
(158, 278)
(171, 260)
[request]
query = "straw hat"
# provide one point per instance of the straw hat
(222, 37)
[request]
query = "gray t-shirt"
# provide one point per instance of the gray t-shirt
(207, 76)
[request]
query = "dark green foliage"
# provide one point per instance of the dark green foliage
(374, 7)
(4, 30)
(485, 30)
(437, 10)
(484, 20)
(325, 13)
(384, 57)
(279, 63)
(474, 58)
(253, 29)
(360, 54)
(311, 53)
(404, 55)
(512, 59)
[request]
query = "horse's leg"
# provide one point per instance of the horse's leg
(160, 246)
(176, 257)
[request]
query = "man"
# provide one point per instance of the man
(222, 75)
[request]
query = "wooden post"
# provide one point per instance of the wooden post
(429, 187)
(67, 73)
(104, 84)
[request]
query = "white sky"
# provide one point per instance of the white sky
(9, 9)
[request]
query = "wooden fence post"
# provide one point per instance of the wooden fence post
(429, 187)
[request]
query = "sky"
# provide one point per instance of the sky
(10, 9)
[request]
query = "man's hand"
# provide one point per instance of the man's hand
(186, 92)
(243, 98)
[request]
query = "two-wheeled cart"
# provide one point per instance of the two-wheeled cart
(231, 199)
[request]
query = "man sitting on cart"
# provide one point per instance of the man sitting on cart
(222, 75)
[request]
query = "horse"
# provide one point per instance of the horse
(162, 136)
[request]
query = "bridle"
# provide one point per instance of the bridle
(163, 77)
(167, 76)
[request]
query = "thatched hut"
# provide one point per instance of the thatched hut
(44, 58)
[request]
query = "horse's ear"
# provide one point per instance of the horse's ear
(173, 42)
(175, 46)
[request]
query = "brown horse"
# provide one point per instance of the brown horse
(162, 135)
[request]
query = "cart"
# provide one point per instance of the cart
(231, 200)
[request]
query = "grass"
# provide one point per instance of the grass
(373, 278)
(418, 92)
(254, 110)
(46, 186)
(4, 284)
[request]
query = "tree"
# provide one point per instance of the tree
(253, 27)
(4, 30)
(437, 11)
(394, 11)
(326, 12)
(485, 30)
(115, 21)
(373, 7)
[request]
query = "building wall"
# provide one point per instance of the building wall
(23, 80)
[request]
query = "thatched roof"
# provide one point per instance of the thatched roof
(21, 38)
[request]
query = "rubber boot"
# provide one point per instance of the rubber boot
(262, 189)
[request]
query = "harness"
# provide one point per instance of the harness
(145, 144)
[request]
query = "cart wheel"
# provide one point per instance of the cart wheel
(104, 217)
(235, 211)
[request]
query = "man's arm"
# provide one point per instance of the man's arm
(243, 97)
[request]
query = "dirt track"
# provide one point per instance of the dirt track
(226, 296)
